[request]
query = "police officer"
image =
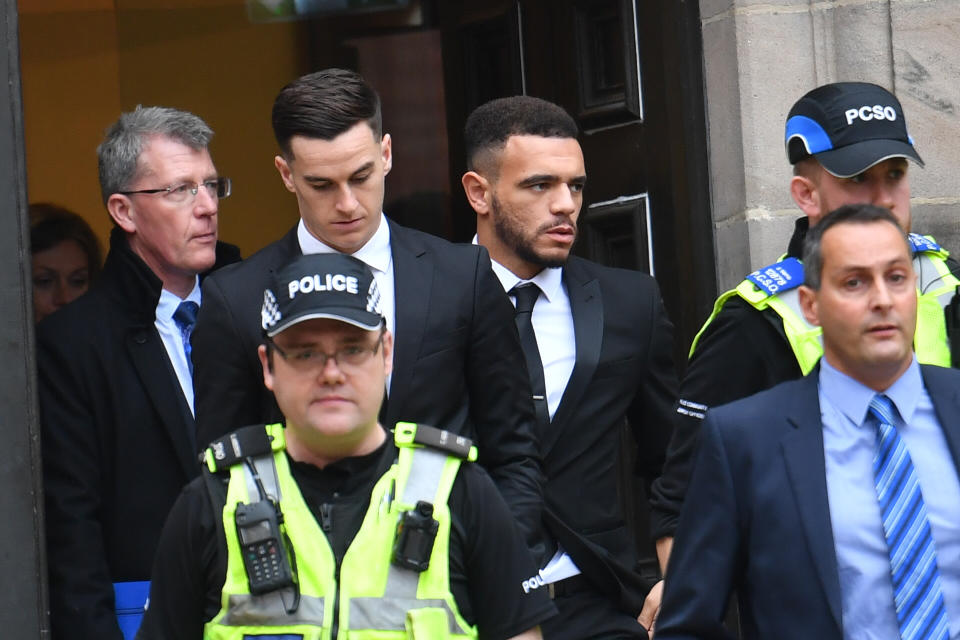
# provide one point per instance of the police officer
(848, 144)
(328, 524)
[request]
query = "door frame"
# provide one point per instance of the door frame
(23, 610)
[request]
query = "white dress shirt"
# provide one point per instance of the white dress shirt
(552, 322)
(173, 339)
(377, 255)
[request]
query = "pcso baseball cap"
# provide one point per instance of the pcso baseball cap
(848, 127)
(329, 285)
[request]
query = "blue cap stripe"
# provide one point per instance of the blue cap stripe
(815, 139)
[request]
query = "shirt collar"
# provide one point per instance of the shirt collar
(375, 252)
(550, 280)
(853, 398)
(169, 302)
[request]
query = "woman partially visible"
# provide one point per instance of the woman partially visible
(66, 257)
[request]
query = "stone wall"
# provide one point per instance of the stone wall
(760, 56)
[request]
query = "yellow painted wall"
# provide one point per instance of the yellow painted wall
(85, 61)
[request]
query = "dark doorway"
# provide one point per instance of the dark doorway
(629, 72)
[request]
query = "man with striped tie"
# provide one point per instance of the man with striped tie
(829, 504)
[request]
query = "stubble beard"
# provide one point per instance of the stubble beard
(514, 236)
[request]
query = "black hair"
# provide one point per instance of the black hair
(491, 124)
(323, 105)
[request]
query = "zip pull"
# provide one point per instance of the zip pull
(326, 517)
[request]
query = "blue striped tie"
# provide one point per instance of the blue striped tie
(913, 556)
(185, 318)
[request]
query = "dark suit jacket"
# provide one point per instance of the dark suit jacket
(624, 369)
(757, 520)
(457, 362)
(116, 442)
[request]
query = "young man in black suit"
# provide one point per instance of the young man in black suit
(454, 367)
(598, 346)
(116, 399)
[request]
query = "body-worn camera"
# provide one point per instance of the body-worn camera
(416, 532)
(261, 544)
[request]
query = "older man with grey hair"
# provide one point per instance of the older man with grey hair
(115, 377)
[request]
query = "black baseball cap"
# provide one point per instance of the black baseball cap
(848, 127)
(328, 285)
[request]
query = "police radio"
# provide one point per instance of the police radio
(262, 543)
(952, 313)
(416, 532)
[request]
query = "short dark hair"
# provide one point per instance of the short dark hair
(491, 124)
(847, 214)
(323, 105)
(118, 156)
(52, 224)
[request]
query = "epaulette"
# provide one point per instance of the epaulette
(252, 441)
(408, 434)
(923, 244)
(778, 277)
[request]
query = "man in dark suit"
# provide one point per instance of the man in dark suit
(114, 376)
(598, 347)
(829, 503)
(455, 366)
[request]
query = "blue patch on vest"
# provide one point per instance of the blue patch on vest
(921, 244)
(777, 278)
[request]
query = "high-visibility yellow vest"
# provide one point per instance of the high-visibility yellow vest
(775, 287)
(367, 597)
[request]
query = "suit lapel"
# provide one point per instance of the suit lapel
(586, 306)
(802, 450)
(412, 283)
(162, 387)
(941, 385)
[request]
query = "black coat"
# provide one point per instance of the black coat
(624, 370)
(457, 362)
(116, 442)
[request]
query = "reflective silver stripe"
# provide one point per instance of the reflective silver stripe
(267, 470)
(426, 468)
(245, 610)
(791, 298)
(425, 472)
(929, 276)
(390, 614)
(401, 583)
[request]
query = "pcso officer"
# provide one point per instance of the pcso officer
(328, 525)
(848, 144)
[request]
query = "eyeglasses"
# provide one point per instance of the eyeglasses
(186, 191)
(348, 358)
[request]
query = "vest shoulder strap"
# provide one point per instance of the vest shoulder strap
(410, 435)
(252, 441)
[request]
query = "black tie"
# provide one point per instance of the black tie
(526, 295)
